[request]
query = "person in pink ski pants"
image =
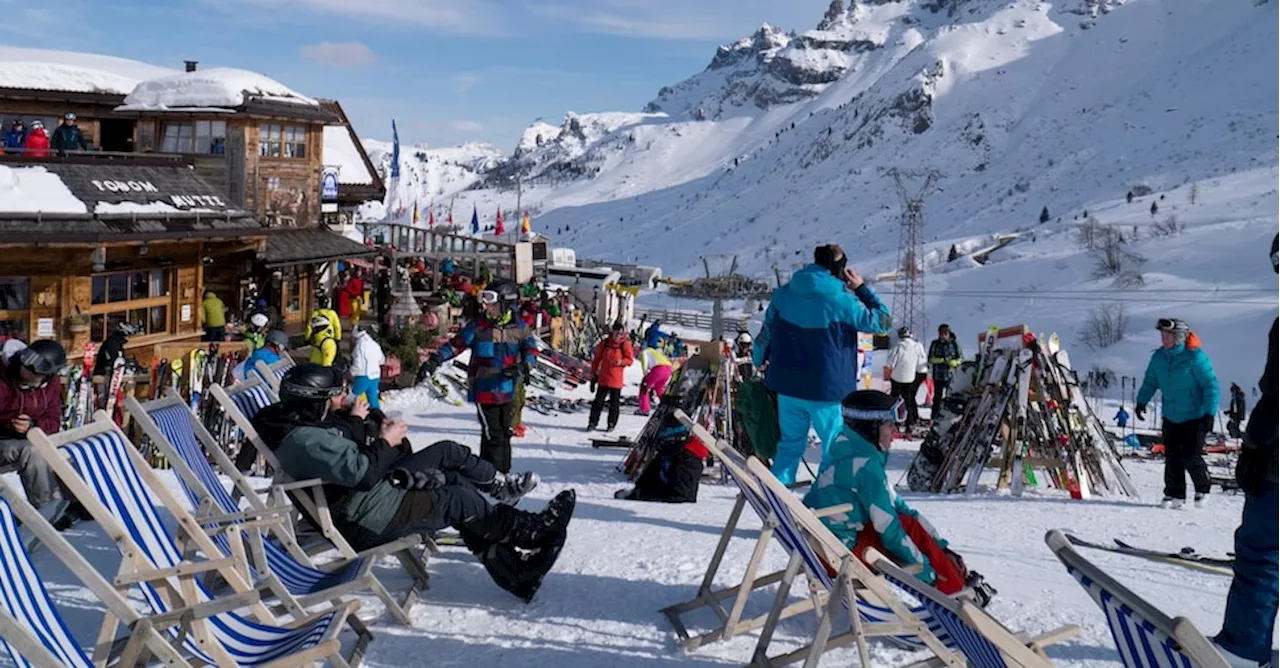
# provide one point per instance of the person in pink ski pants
(657, 370)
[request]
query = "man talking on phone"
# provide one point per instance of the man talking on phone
(810, 343)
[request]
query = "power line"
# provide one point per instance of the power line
(1082, 298)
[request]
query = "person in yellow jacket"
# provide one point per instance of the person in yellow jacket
(215, 317)
(323, 310)
(324, 345)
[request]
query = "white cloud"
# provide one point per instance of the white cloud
(679, 19)
(467, 126)
(469, 17)
(339, 54)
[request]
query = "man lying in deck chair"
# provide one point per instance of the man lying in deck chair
(377, 494)
(854, 473)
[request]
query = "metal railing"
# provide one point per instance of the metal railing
(692, 319)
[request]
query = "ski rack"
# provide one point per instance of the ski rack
(1027, 415)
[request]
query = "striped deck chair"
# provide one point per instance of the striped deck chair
(243, 401)
(852, 583)
(1144, 636)
(111, 479)
(273, 372)
(983, 640)
(295, 579)
(30, 627)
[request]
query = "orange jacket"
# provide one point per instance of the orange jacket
(610, 361)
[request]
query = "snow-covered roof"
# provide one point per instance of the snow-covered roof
(46, 69)
(36, 189)
(340, 151)
(218, 87)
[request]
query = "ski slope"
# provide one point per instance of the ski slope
(625, 560)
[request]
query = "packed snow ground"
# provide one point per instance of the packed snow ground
(625, 560)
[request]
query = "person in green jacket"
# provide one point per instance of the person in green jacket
(854, 473)
(215, 317)
(378, 494)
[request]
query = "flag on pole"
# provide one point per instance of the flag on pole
(525, 226)
(475, 220)
(499, 229)
(415, 219)
(391, 203)
(450, 217)
(431, 217)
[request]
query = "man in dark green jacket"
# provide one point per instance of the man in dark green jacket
(378, 494)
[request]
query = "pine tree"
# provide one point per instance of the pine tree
(1044, 215)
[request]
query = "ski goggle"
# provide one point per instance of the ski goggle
(1171, 325)
(36, 363)
(487, 297)
(895, 413)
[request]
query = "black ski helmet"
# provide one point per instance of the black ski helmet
(865, 410)
(507, 292)
(45, 357)
(307, 388)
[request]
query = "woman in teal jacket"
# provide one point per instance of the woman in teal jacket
(1189, 398)
(854, 474)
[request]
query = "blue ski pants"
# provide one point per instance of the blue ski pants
(795, 416)
(368, 387)
(1250, 619)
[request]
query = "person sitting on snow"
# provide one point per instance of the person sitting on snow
(378, 494)
(854, 473)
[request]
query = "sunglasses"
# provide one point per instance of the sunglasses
(487, 297)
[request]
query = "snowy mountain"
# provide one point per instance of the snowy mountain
(1022, 105)
(429, 176)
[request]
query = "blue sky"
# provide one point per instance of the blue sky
(449, 71)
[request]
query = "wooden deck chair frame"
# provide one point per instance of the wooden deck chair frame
(310, 494)
(273, 372)
(209, 507)
(144, 639)
(1016, 649)
(708, 596)
(853, 580)
(1191, 642)
(136, 568)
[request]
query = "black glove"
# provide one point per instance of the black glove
(425, 479)
(1206, 423)
(427, 370)
(1140, 411)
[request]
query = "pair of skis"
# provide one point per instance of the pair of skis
(1186, 557)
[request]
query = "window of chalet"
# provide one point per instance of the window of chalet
(197, 137)
(138, 297)
(292, 295)
(15, 306)
(282, 141)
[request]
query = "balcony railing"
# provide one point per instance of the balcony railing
(20, 156)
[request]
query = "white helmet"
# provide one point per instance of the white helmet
(744, 338)
(259, 320)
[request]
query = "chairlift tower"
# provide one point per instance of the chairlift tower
(908, 289)
(719, 285)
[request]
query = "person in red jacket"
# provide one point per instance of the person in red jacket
(31, 396)
(37, 143)
(613, 356)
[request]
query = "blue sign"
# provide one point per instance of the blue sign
(329, 185)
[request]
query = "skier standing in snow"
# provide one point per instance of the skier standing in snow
(810, 341)
(503, 349)
(944, 357)
(1181, 370)
(905, 358)
(367, 359)
(377, 494)
(1250, 618)
(612, 357)
(323, 340)
(854, 473)
(657, 371)
(1235, 411)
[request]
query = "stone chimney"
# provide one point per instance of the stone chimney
(191, 65)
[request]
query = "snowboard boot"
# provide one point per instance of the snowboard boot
(977, 586)
(509, 488)
(531, 531)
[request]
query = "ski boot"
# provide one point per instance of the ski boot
(518, 548)
(509, 488)
(980, 592)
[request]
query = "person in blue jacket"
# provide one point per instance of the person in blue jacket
(1122, 418)
(274, 346)
(15, 138)
(1189, 398)
(654, 337)
(810, 342)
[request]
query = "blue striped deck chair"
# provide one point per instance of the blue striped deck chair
(1144, 636)
(983, 640)
(852, 583)
(110, 478)
(30, 627)
(295, 579)
(710, 597)
(240, 403)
